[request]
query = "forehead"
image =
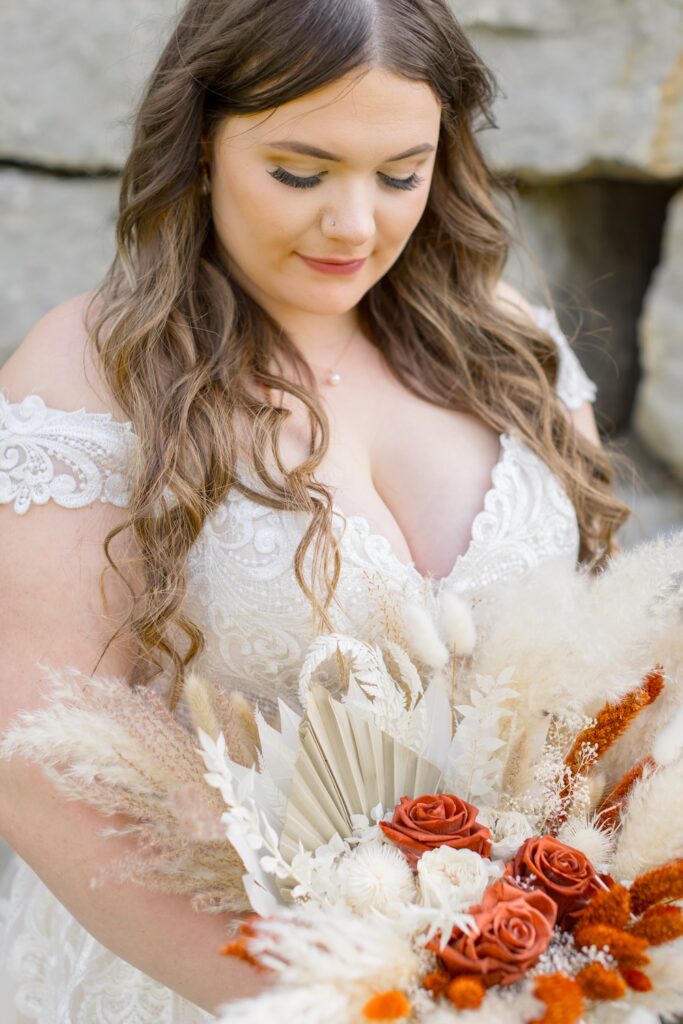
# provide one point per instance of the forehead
(358, 117)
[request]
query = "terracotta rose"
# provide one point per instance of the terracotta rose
(514, 925)
(434, 820)
(564, 873)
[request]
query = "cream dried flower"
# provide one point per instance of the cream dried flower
(375, 875)
(454, 879)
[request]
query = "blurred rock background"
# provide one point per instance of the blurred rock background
(589, 130)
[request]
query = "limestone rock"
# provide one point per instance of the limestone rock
(587, 88)
(57, 240)
(70, 74)
(596, 243)
(659, 407)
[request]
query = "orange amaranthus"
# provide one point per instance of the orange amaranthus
(598, 982)
(659, 924)
(628, 950)
(613, 720)
(658, 886)
(608, 906)
(562, 996)
(636, 979)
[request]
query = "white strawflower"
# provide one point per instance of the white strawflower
(375, 875)
(454, 879)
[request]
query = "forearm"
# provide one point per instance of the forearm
(161, 935)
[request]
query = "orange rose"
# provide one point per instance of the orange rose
(565, 874)
(514, 929)
(434, 820)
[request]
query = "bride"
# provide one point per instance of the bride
(301, 391)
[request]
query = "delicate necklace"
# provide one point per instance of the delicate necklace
(333, 377)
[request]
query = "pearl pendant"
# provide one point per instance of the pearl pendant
(334, 378)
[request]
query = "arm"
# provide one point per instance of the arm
(52, 612)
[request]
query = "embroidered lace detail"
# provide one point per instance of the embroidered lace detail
(574, 386)
(93, 451)
(257, 624)
(60, 974)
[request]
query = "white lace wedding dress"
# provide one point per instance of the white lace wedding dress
(256, 621)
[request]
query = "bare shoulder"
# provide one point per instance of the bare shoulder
(56, 361)
(507, 295)
(583, 418)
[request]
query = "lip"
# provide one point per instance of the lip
(333, 266)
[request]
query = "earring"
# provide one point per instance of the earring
(205, 185)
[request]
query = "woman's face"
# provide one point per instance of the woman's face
(358, 197)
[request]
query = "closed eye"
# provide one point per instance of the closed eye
(280, 174)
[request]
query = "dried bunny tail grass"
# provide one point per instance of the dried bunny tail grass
(651, 832)
(610, 808)
(457, 623)
(659, 924)
(422, 637)
(662, 885)
(199, 697)
(238, 724)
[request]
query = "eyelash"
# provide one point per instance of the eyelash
(401, 184)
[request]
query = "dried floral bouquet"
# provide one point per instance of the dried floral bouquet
(486, 825)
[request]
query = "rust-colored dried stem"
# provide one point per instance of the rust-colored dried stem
(613, 720)
(609, 811)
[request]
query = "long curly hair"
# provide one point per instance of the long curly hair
(186, 352)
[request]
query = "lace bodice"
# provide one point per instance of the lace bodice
(242, 593)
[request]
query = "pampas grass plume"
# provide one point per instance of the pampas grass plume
(652, 823)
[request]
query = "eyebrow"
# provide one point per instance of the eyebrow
(302, 147)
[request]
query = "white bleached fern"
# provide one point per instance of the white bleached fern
(473, 771)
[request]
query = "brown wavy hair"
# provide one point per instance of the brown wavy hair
(186, 352)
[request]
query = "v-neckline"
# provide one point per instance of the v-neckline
(436, 583)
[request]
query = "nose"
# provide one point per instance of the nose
(351, 219)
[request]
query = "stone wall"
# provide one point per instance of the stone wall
(590, 128)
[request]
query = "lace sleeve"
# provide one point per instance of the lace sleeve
(574, 386)
(73, 458)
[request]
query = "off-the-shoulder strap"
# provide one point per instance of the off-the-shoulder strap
(73, 458)
(574, 386)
